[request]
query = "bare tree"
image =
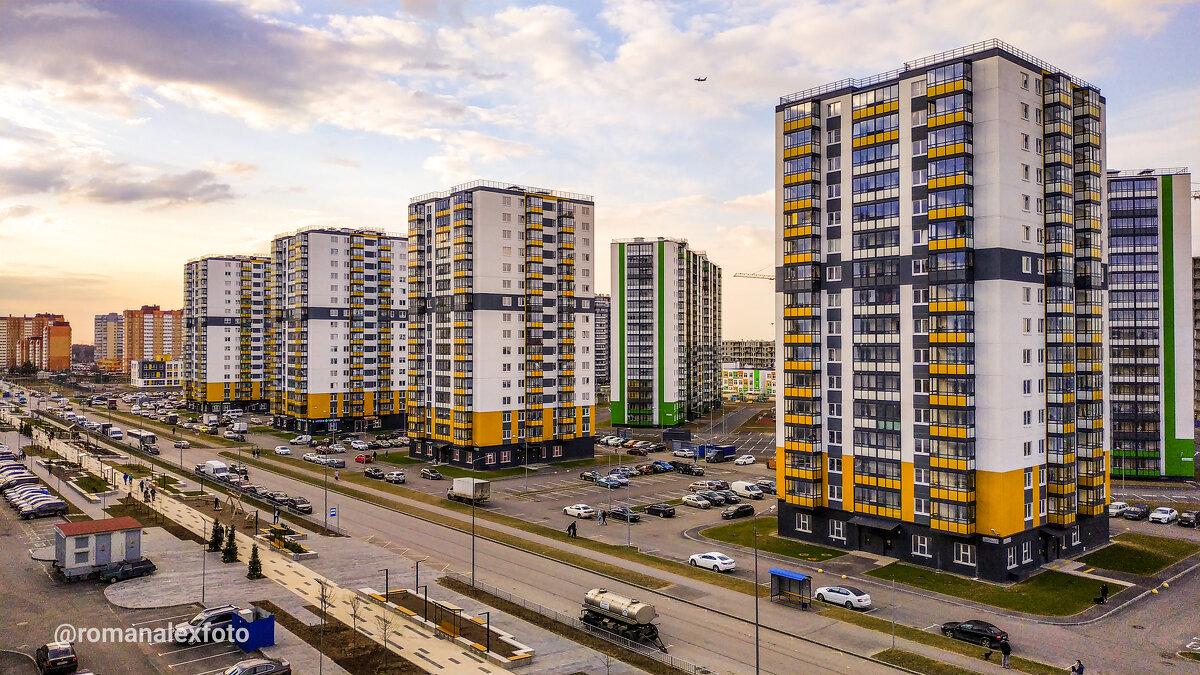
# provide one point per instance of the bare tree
(384, 619)
(323, 595)
(356, 603)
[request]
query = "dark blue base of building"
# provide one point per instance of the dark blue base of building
(442, 452)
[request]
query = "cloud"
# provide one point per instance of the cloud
(453, 164)
(343, 162)
(15, 211)
(231, 166)
(193, 187)
(33, 179)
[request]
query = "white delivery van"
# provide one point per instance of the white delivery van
(744, 488)
(115, 433)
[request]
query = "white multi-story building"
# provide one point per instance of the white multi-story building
(939, 313)
(109, 340)
(224, 353)
(666, 333)
(156, 374)
(336, 330)
(501, 363)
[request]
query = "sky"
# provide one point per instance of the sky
(136, 135)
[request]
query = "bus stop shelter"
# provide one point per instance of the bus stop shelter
(791, 586)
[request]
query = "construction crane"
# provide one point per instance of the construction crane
(750, 275)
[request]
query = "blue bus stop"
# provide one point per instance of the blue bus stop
(791, 587)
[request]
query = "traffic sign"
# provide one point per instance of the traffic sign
(333, 512)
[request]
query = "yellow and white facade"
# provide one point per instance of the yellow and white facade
(501, 360)
(939, 313)
(224, 357)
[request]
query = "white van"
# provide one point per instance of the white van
(115, 433)
(744, 488)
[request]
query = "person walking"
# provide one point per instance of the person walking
(153, 493)
(1005, 652)
(572, 529)
(1104, 593)
(336, 475)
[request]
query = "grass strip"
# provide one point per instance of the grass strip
(271, 431)
(397, 458)
(161, 429)
(920, 664)
(135, 470)
(340, 643)
(935, 640)
(92, 483)
(586, 639)
(459, 472)
(1142, 554)
(1194, 656)
(553, 552)
(1047, 593)
(742, 534)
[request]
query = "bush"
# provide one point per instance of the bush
(217, 539)
(230, 553)
(254, 567)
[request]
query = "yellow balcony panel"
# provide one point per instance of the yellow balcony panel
(798, 339)
(802, 123)
(798, 204)
(799, 419)
(803, 474)
(811, 502)
(797, 258)
(800, 446)
(1060, 488)
(955, 306)
(802, 177)
(948, 118)
(872, 139)
(804, 231)
(948, 400)
(947, 244)
(949, 338)
(802, 392)
(964, 496)
(949, 181)
(798, 311)
(950, 432)
(877, 109)
(951, 527)
(947, 212)
(946, 150)
(800, 150)
(877, 481)
(1091, 510)
(947, 88)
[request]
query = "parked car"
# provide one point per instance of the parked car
(1164, 515)
(696, 501)
(49, 508)
(283, 450)
(1116, 509)
(644, 469)
(56, 657)
(717, 484)
(848, 596)
(301, 440)
(698, 485)
(373, 472)
(233, 436)
(744, 460)
(979, 632)
(183, 444)
(712, 496)
(608, 482)
(580, 511)
(130, 569)
(311, 457)
(335, 462)
(661, 510)
(624, 513)
(730, 496)
(259, 666)
(363, 459)
(1187, 519)
(684, 452)
(620, 477)
(590, 475)
(688, 468)
(737, 511)
(359, 445)
(204, 623)
(640, 452)
(300, 504)
(394, 477)
(1137, 512)
(431, 474)
(716, 561)
(337, 449)
(657, 447)
(766, 485)
(661, 466)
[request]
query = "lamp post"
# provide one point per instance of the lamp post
(754, 523)
(474, 459)
(489, 631)
(424, 590)
(326, 467)
(386, 587)
(417, 579)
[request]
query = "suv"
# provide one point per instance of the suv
(737, 511)
(56, 657)
(431, 474)
(1137, 512)
(127, 570)
(1117, 509)
(202, 625)
(688, 468)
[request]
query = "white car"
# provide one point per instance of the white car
(580, 511)
(848, 596)
(283, 450)
(1117, 509)
(744, 459)
(1164, 514)
(359, 446)
(697, 501)
(311, 457)
(717, 562)
(690, 454)
(337, 449)
(394, 477)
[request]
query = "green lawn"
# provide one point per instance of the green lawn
(920, 664)
(459, 472)
(1047, 593)
(742, 534)
(271, 431)
(135, 470)
(1193, 656)
(1140, 553)
(92, 483)
(398, 458)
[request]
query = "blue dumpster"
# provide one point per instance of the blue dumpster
(256, 626)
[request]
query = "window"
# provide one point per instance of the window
(1026, 552)
(1027, 387)
(918, 88)
(1038, 173)
(1026, 231)
(834, 163)
(1026, 263)
(1028, 479)
(833, 273)
(1024, 111)
(921, 506)
(1012, 556)
(918, 237)
(837, 530)
(834, 136)
(835, 492)
(1025, 202)
(1029, 513)
(835, 190)
(1025, 142)
(919, 147)
(1027, 448)
(919, 266)
(833, 109)
(964, 554)
(835, 327)
(1026, 325)
(1027, 417)
(506, 234)
(1026, 356)
(835, 463)
(1075, 536)
(921, 476)
(1025, 172)
(1025, 80)
(804, 522)
(920, 546)
(507, 250)
(835, 246)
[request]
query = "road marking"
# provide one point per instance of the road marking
(165, 618)
(184, 649)
(205, 658)
(936, 625)
(1090, 569)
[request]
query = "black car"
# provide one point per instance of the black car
(640, 452)
(299, 504)
(624, 513)
(978, 632)
(431, 474)
(151, 450)
(56, 657)
(589, 475)
(737, 511)
(766, 485)
(1187, 519)
(712, 496)
(259, 667)
(373, 472)
(1137, 512)
(730, 496)
(661, 510)
(688, 468)
(55, 507)
(127, 570)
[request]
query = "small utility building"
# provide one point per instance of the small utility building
(84, 547)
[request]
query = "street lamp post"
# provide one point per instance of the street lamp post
(386, 587)
(424, 590)
(326, 467)
(488, 615)
(754, 523)
(417, 579)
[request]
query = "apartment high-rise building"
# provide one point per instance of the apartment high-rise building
(224, 354)
(336, 309)
(603, 339)
(666, 331)
(1152, 383)
(151, 333)
(749, 354)
(1196, 347)
(501, 359)
(109, 340)
(43, 340)
(939, 313)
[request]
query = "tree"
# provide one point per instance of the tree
(384, 620)
(355, 609)
(230, 553)
(28, 369)
(218, 537)
(254, 567)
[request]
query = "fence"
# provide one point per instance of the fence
(577, 624)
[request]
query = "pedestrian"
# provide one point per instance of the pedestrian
(1077, 667)
(216, 503)
(374, 455)
(571, 530)
(335, 475)
(603, 517)
(1005, 652)
(153, 493)
(1104, 593)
